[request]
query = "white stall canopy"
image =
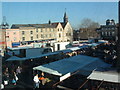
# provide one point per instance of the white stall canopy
(72, 64)
(108, 76)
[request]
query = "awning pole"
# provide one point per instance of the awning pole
(100, 84)
(83, 84)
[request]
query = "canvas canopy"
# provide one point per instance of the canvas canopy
(74, 48)
(77, 48)
(70, 65)
(15, 58)
(109, 76)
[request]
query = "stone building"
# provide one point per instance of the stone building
(108, 31)
(57, 31)
(76, 35)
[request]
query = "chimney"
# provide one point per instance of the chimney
(49, 22)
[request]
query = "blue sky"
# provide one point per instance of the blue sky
(41, 12)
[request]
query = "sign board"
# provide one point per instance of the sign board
(15, 44)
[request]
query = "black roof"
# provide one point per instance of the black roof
(17, 26)
(106, 26)
(46, 25)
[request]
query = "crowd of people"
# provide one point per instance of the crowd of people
(39, 80)
(11, 75)
(105, 51)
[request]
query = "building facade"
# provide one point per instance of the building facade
(12, 37)
(2, 42)
(76, 35)
(37, 33)
(4, 25)
(108, 31)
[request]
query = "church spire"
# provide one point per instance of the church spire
(4, 24)
(65, 18)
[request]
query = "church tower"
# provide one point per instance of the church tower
(4, 24)
(65, 18)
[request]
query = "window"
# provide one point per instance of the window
(23, 32)
(66, 34)
(58, 29)
(68, 40)
(31, 32)
(113, 33)
(37, 36)
(14, 38)
(59, 35)
(108, 33)
(49, 35)
(113, 28)
(42, 36)
(53, 35)
(46, 29)
(108, 28)
(102, 33)
(69, 34)
(41, 30)
(14, 33)
(23, 38)
(105, 33)
(36, 29)
(8, 39)
(31, 37)
(61, 29)
(46, 35)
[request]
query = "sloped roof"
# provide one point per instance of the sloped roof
(15, 58)
(107, 26)
(46, 25)
(63, 24)
(52, 25)
(17, 26)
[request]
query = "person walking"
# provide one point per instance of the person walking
(18, 70)
(14, 78)
(36, 81)
(13, 81)
(43, 79)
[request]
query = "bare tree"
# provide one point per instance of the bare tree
(88, 28)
